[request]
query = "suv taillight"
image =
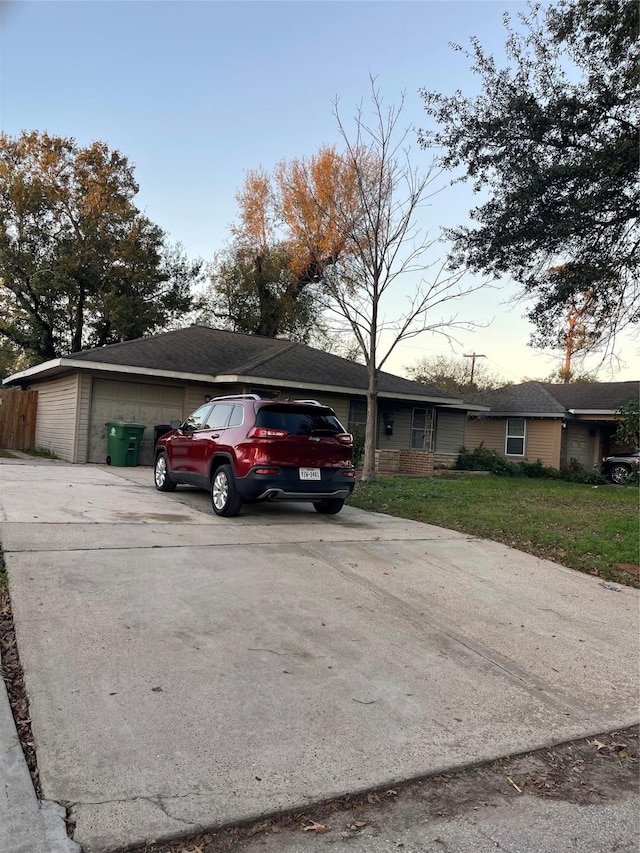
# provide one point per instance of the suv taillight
(262, 432)
(345, 438)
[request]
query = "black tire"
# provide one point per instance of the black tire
(329, 506)
(225, 497)
(619, 473)
(161, 477)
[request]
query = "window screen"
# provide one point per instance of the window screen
(422, 423)
(357, 415)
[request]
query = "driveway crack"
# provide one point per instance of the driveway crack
(158, 801)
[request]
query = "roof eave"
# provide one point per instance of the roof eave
(45, 368)
(503, 414)
(61, 365)
(342, 389)
(592, 411)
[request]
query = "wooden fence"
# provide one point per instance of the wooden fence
(18, 419)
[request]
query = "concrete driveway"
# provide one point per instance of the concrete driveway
(187, 671)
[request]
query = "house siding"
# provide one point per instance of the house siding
(543, 441)
(486, 431)
(56, 417)
(82, 419)
(194, 396)
(543, 438)
(401, 437)
(450, 432)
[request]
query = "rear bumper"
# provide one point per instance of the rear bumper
(287, 486)
(281, 495)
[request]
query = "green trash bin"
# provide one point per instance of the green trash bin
(123, 443)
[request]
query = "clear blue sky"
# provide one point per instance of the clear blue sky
(195, 93)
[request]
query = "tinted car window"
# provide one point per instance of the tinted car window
(299, 421)
(197, 419)
(219, 416)
(237, 416)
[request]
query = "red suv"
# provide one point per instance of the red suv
(243, 448)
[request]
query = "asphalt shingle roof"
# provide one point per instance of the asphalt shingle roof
(200, 349)
(546, 398)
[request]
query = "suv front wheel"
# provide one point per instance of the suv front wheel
(225, 498)
(161, 477)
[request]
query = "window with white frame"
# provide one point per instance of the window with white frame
(422, 429)
(515, 437)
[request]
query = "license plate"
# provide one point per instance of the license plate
(310, 474)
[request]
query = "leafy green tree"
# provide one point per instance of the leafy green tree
(80, 265)
(453, 375)
(11, 360)
(551, 143)
(254, 291)
(628, 431)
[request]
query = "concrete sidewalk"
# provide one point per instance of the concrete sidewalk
(186, 671)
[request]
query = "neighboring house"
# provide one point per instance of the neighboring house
(560, 424)
(163, 378)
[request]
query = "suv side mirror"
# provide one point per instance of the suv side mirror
(175, 424)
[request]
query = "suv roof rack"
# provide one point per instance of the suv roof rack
(310, 402)
(239, 397)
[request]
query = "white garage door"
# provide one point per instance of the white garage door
(113, 400)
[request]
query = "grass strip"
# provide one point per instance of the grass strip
(589, 528)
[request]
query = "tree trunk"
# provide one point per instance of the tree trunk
(369, 464)
(78, 320)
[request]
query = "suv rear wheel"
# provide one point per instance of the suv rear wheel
(225, 498)
(330, 506)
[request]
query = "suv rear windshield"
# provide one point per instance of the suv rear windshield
(299, 421)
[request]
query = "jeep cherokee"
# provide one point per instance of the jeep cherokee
(243, 448)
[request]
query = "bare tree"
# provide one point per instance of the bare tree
(454, 376)
(384, 245)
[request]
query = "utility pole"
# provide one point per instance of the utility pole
(473, 356)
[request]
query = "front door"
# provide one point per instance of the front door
(581, 444)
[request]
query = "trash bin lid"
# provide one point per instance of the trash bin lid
(125, 424)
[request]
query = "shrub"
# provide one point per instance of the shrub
(358, 447)
(537, 469)
(582, 475)
(483, 459)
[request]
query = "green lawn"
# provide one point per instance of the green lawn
(584, 527)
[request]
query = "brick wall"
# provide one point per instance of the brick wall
(388, 461)
(445, 460)
(416, 462)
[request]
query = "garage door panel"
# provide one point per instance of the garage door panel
(143, 403)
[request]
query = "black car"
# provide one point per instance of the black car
(618, 468)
